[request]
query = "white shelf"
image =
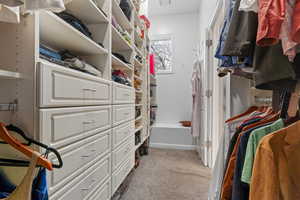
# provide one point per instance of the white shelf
(87, 11)
(138, 129)
(137, 77)
(137, 63)
(121, 17)
(58, 34)
(138, 51)
(119, 63)
(138, 91)
(141, 143)
(9, 75)
(138, 105)
(138, 118)
(118, 42)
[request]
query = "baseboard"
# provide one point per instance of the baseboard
(172, 146)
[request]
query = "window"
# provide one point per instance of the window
(162, 48)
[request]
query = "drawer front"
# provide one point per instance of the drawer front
(102, 193)
(120, 133)
(77, 157)
(119, 176)
(81, 187)
(59, 127)
(61, 86)
(122, 114)
(122, 153)
(123, 94)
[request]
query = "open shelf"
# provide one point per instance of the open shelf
(121, 17)
(137, 77)
(138, 91)
(118, 42)
(138, 118)
(87, 11)
(119, 63)
(138, 129)
(9, 74)
(138, 51)
(68, 38)
(138, 38)
(138, 105)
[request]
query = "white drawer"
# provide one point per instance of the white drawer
(120, 133)
(60, 86)
(62, 126)
(81, 187)
(123, 113)
(119, 176)
(102, 193)
(123, 94)
(77, 157)
(122, 153)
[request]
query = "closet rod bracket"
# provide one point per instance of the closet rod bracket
(9, 106)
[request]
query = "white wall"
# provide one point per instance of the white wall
(174, 95)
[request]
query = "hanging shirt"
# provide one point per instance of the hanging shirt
(296, 23)
(249, 5)
(253, 142)
(197, 99)
(289, 46)
(276, 173)
(271, 14)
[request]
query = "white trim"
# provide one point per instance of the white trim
(172, 146)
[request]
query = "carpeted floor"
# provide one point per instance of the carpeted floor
(169, 175)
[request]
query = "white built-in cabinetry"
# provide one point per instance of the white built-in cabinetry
(90, 120)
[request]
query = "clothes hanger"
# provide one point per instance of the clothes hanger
(24, 190)
(268, 119)
(4, 134)
(247, 112)
(21, 163)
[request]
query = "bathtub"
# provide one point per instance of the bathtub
(171, 136)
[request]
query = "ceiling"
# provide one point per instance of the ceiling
(177, 6)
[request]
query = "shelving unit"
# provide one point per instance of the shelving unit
(74, 111)
(50, 25)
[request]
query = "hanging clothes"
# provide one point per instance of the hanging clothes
(39, 186)
(276, 171)
(23, 191)
(197, 98)
(296, 23)
(252, 144)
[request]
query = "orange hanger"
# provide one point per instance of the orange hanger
(270, 118)
(250, 110)
(4, 134)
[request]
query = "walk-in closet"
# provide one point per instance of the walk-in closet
(149, 99)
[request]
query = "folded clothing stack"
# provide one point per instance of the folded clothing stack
(76, 23)
(120, 77)
(67, 59)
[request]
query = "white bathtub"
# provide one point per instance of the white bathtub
(171, 136)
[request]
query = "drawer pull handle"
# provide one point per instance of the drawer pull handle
(85, 156)
(126, 95)
(89, 122)
(88, 89)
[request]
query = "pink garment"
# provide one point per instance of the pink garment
(152, 64)
(288, 45)
(197, 99)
